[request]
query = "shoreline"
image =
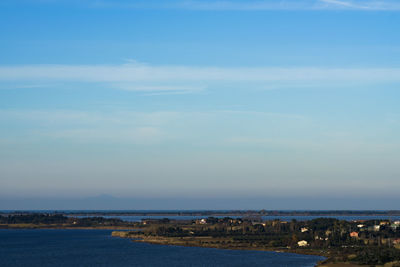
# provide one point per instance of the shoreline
(327, 254)
(165, 241)
(199, 242)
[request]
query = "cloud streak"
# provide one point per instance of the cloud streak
(147, 78)
(227, 5)
(373, 5)
(255, 5)
(82, 126)
(124, 126)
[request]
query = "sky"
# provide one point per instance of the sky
(250, 104)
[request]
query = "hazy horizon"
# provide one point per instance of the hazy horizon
(106, 202)
(252, 104)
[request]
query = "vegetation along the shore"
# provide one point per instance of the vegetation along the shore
(373, 242)
(40, 220)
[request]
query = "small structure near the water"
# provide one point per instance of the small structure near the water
(354, 234)
(302, 243)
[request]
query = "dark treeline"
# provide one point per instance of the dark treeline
(321, 232)
(34, 219)
(59, 219)
(222, 212)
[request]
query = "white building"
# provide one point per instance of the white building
(302, 243)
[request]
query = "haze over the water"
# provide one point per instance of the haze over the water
(200, 104)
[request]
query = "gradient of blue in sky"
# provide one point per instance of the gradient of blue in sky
(199, 98)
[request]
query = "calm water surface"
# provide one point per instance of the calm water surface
(98, 248)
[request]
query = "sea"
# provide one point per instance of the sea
(62, 248)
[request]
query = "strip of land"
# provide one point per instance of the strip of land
(218, 213)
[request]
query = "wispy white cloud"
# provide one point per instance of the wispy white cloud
(83, 126)
(131, 127)
(216, 5)
(264, 114)
(252, 5)
(339, 3)
(377, 5)
(160, 89)
(161, 79)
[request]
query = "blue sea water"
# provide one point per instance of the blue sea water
(97, 248)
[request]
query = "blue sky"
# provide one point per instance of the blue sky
(200, 99)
